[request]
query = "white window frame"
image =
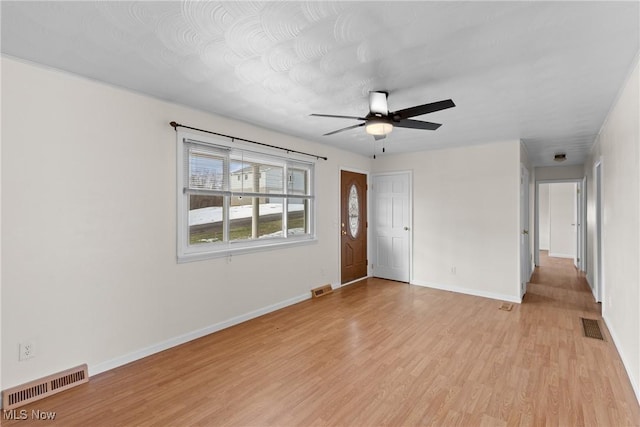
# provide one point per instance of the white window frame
(187, 252)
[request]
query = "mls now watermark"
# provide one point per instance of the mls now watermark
(23, 414)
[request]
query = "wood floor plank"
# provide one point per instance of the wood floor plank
(378, 353)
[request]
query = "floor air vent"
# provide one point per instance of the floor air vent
(506, 306)
(592, 329)
(322, 290)
(47, 386)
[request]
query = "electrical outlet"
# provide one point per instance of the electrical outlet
(27, 350)
(453, 269)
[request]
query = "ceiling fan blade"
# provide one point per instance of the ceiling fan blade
(338, 117)
(419, 110)
(343, 129)
(379, 137)
(416, 124)
(378, 103)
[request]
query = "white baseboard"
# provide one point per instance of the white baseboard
(468, 291)
(554, 255)
(190, 336)
(593, 289)
(625, 359)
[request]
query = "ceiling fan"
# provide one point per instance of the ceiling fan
(380, 121)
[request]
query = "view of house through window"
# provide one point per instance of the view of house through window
(235, 198)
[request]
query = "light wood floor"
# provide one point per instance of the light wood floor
(378, 353)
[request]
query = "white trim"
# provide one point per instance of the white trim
(583, 229)
(598, 237)
(560, 181)
(190, 336)
(467, 291)
(582, 219)
(291, 242)
(522, 286)
(625, 360)
(554, 255)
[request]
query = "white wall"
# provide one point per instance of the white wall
(1, 127)
(465, 215)
(562, 214)
(551, 173)
(618, 146)
(543, 216)
(89, 266)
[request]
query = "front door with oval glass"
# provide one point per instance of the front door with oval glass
(353, 225)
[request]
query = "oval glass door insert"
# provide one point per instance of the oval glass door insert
(354, 211)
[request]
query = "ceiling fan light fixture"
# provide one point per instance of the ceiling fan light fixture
(378, 127)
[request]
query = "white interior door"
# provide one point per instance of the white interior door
(577, 210)
(391, 231)
(525, 255)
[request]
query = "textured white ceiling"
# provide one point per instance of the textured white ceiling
(543, 72)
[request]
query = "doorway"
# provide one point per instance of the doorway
(560, 219)
(353, 226)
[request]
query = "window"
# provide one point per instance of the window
(233, 200)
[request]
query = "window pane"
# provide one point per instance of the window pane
(205, 219)
(354, 211)
(206, 171)
(270, 220)
(255, 217)
(252, 177)
(298, 182)
(297, 217)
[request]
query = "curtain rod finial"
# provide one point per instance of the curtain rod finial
(173, 125)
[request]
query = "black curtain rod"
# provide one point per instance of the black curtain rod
(177, 125)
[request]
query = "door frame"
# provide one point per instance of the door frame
(581, 217)
(580, 235)
(598, 247)
(372, 214)
(525, 221)
(336, 226)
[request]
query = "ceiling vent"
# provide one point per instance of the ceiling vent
(560, 157)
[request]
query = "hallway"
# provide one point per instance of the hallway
(584, 369)
(558, 284)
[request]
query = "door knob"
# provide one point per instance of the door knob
(406, 228)
(344, 233)
(525, 231)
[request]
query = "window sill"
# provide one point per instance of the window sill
(240, 250)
